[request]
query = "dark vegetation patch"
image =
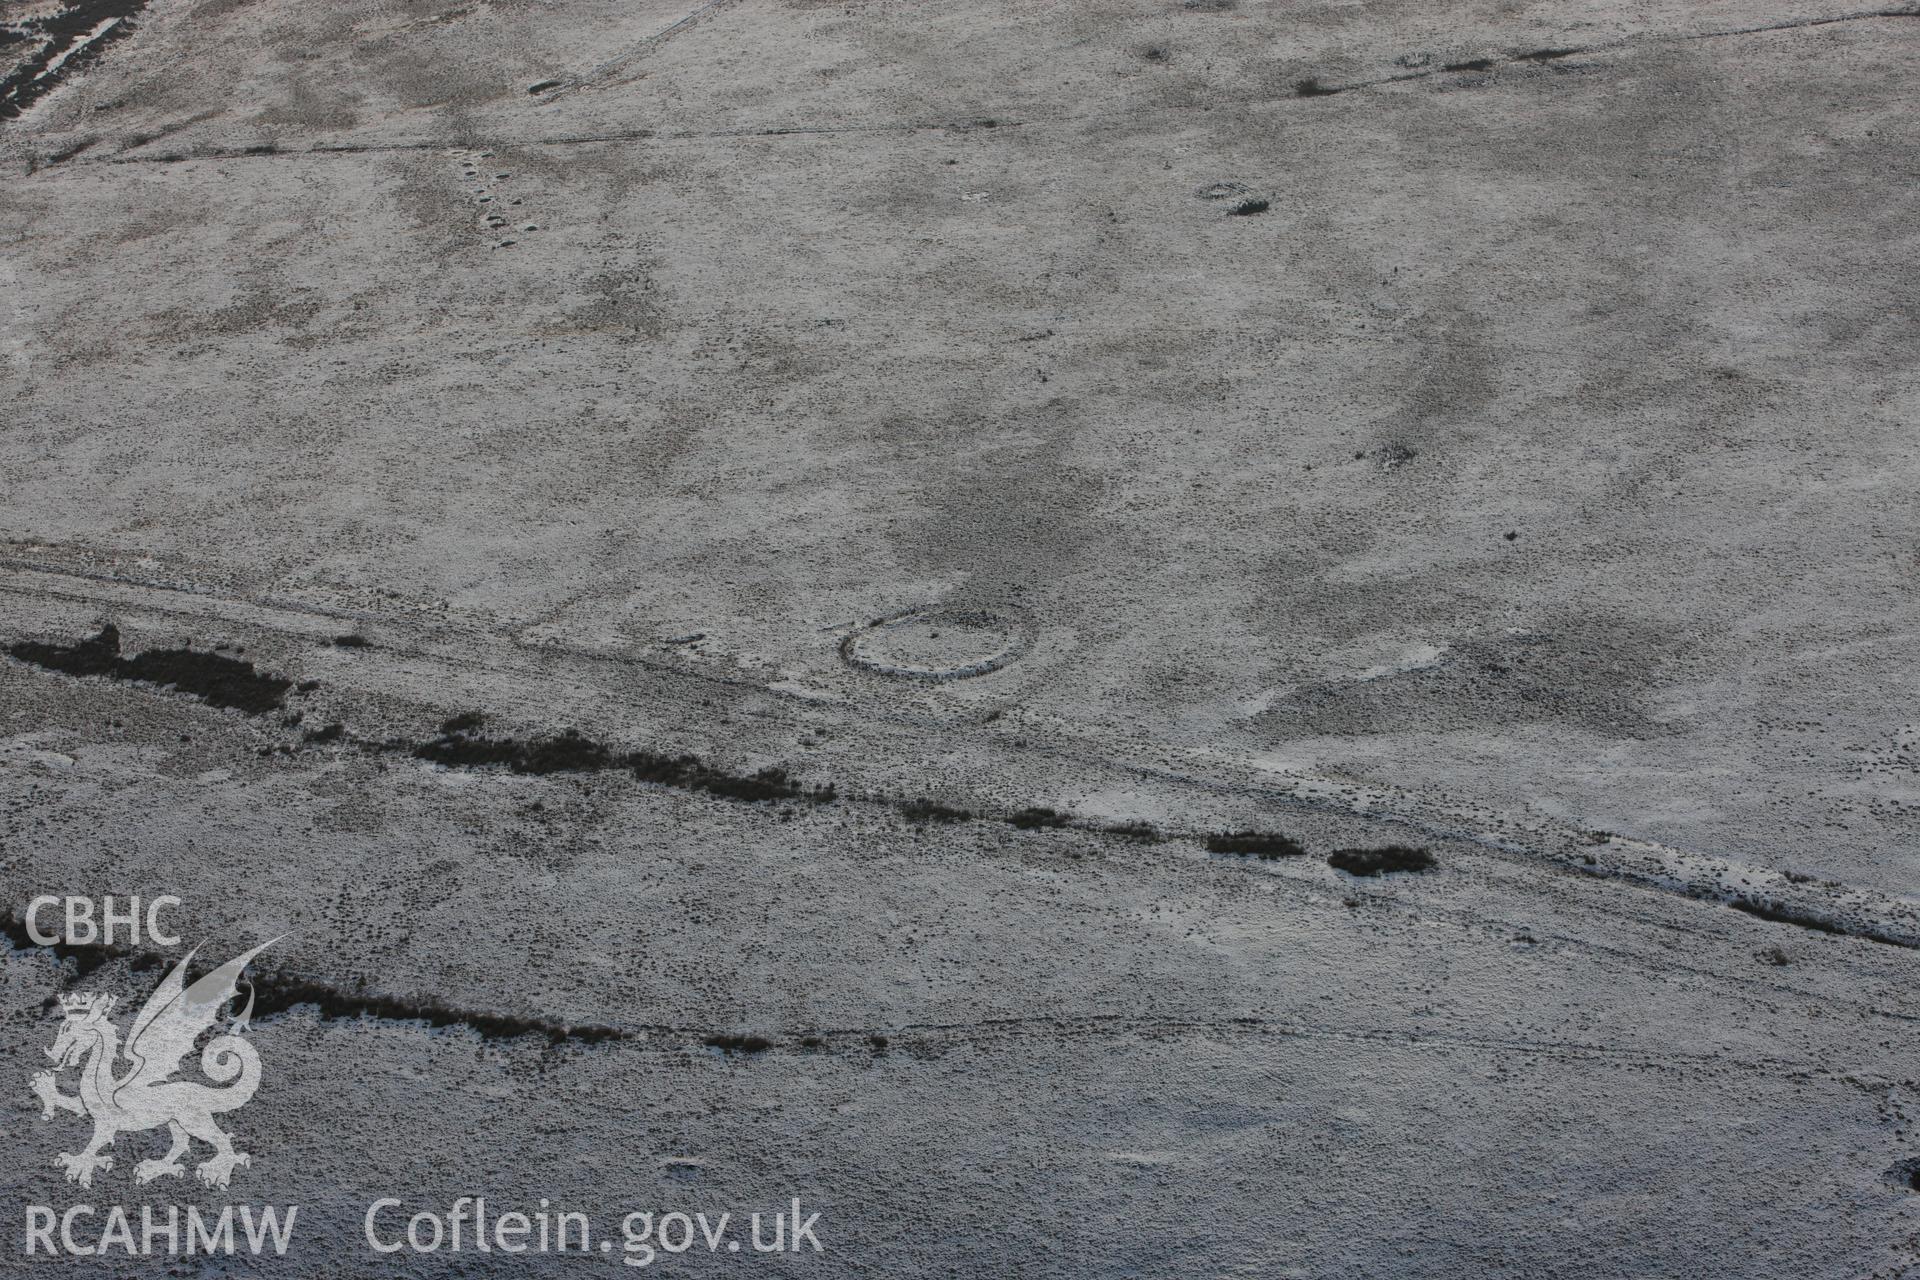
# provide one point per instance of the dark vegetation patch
(59, 33)
(1472, 64)
(222, 681)
(351, 642)
(232, 682)
(1548, 55)
(1265, 845)
(460, 744)
(730, 1044)
(1132, 831)
(87, 958)
(1312, 87)
(1033, 819)
(1381, 861)
(97, 655)
(278, 993)
(1777, 913)
(543, 86)
(211, 677)
(569, 752)
(1247, 208)
(922, 811)
(689, 773)
(472, 751)
(67, 153)
(275, 992)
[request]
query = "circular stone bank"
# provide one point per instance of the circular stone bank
(938, 644)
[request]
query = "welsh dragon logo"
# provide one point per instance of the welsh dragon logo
(145, 1093)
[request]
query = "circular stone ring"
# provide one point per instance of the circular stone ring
(939, 644)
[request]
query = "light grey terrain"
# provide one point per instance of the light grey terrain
(1486, 427)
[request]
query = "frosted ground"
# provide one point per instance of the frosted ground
(1486, 428)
